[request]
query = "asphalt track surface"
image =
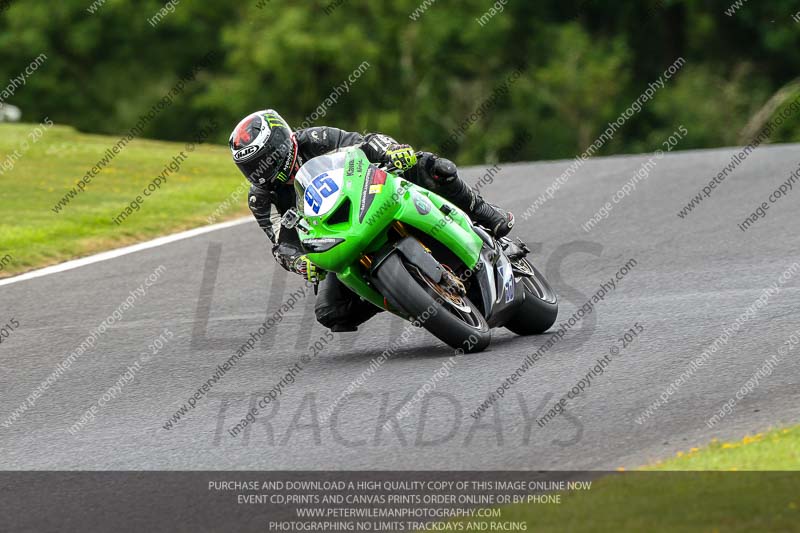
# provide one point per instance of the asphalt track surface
(693, 277)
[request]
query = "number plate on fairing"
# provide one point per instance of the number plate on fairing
(322, 179)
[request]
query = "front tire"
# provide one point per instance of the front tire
(459, 324)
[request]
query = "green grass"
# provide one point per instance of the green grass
(775, 450)
(694, 491)
(35, 236)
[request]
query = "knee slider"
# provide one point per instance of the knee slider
(444, 170)
(327, 315)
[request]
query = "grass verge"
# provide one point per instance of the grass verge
(33, 180)
(748, 485)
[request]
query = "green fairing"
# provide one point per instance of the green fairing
(395, 200)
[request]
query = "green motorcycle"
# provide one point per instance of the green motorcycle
(411, 252)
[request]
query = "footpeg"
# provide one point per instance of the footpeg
(514, 250)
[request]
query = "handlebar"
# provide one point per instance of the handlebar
(391, 168)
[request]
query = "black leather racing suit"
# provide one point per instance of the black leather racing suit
(338, 307)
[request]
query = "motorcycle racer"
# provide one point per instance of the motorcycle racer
(269, 154)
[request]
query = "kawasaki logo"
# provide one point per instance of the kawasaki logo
(246, 152)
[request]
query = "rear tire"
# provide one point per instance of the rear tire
(540, 309)
(419, 300)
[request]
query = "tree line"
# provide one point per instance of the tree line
(576, 66)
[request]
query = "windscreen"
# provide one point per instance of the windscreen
(319, 184)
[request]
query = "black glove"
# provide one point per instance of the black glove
(307, 269)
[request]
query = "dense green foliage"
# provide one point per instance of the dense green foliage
(582, 62)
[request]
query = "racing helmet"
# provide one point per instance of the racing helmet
(264, 148)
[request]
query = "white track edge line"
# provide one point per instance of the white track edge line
(119, 252)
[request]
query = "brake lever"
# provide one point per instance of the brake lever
(388, 167)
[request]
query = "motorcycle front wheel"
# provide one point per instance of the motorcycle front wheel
(453, 319)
